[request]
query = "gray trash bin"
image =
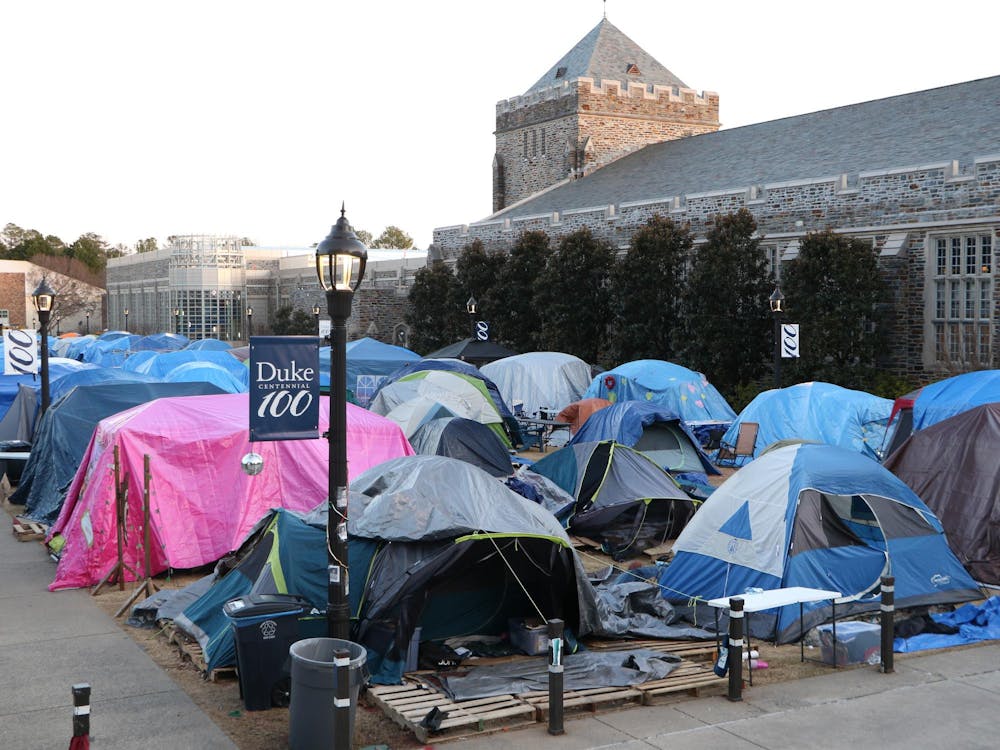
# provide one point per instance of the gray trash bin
(314, 687)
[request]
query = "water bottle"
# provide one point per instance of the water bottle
(722, 663)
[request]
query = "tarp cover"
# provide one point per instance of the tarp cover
(539, 379)
(202, 504)
(466, 440)
(975, 623)
(684, 392)
(628, 422)
(820, 517)
(953, 465)
(946, 398)
(473, 350)
(64, 433)
(369, 362)
(58, 368)
(163, 363)
(577, 413)
(210, 372)
(821, 412)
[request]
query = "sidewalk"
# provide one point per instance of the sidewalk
(940, 699)
(51, 641)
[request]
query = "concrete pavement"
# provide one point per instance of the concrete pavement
(939, 699)
(51, 641)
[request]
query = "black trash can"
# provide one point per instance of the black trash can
(264, 627)
(14, 466)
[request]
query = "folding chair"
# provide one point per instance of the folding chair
(746, 440)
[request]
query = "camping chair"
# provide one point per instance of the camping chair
(746, 440)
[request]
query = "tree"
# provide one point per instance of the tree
(571, 293)
(363, 234)
(476, 273)
(727, 327)
(514, 316)
(645, 290)
(393, 238)
(433, 321)
(147, 245)
(289, 321)
(832, 290)
(91, 250)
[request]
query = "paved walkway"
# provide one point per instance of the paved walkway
(943, 699)
(51, 641)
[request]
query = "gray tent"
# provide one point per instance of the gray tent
(952, 466)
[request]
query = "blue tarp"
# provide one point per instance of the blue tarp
(110, 351)
(160, 342)
(95, 375)
(975, 622)
(209, 372)
(211, 344)
(369, 362)
(58, 368)
(946, 398)
(163, 363)
(683, 392)
(818, 412)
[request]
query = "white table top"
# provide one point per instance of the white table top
(775, 598)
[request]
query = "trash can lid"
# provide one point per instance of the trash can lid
(255, 605)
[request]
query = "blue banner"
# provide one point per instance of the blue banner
(284, 388)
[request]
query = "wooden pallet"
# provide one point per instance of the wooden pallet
(576, 702)
(190, 650)
(684, 649)
(28, 531)
(409, 703)
(690, 678)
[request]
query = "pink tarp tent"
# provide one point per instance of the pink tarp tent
(202, 504)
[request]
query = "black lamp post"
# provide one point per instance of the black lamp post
(340, 265)
(472, 307)
(249, 322)
(88, 322)
(43, 298)
(177, 315)
(316, 317)
(777, 300)
(126, 318)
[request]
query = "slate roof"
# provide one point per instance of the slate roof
(605, 54)
(960, 122)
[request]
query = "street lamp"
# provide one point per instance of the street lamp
(43, 297)
(471, 307)
(316, 316)
(177, 315)
(88, 322)
(340, 265)
(249, 322)
(126, 318)
(777, 301)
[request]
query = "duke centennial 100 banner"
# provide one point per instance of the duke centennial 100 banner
(284, 388)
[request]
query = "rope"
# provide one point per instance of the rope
(519, 582)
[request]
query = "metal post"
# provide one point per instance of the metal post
(81, 713)
(342, 700)
(43, 319)
(735, 657)
(338, 610)
(777, 350)
(888, 621)
(555, 676)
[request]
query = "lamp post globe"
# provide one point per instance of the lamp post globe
(472, 307)
(249, 322)
(125, 311)
(340, 266)
(43, 298)
(316, 312)
(777, 303)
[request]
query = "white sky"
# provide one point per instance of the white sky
(137, 119)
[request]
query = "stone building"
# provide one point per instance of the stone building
(79, 299)
(916, 175)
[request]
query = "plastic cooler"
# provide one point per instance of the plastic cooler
(265, 626)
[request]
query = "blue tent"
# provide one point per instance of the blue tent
(58, 368)
(820, 517)
(78, 346)
(820, 412)
(111, 351)
(652, 429)
(946, 398)
(64, 434)
(209, 372)
(211, 344)
(683, 392)
(164, 362)
(94, 375)
(369, 362)
(160, 342)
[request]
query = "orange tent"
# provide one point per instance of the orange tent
(577, 412)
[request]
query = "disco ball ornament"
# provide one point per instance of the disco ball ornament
(252, 464)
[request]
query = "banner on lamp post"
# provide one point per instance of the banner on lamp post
(482, 330)
(20, 351)
(284, 388)
(789, 340)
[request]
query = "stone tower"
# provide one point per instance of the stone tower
(604, 99)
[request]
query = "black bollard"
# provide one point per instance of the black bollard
(81, 717)
(735, 656)
(888, 619)
(342, 700)
(556, 676)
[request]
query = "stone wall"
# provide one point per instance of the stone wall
(917, 201)
(572, 129)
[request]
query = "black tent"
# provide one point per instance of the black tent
(473, 351)
(466, 440)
